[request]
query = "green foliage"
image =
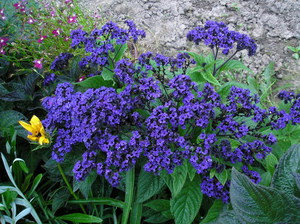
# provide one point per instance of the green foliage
(186, 204)
(260, 204)
(296, 51)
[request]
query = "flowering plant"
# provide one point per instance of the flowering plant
(150, 115)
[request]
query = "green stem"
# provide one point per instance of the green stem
(128, 195)
(69, 186)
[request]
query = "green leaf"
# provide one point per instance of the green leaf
(258, 204)
(85, 185)
(100, 201)
(95, 82)
(119, 53)
(35, 183)
(191, 171)
(157, 218)
(235, 65)
(271, 162)
(10, 118)
(21, 163)
(289, 163)
(207, 75)
(30, 83)
(159, 205)
(213, 212)
(297, 179)
(196, 76)
(148, 185)
(60, 198)
(266, 179)
(185, 206)
(268, 73)
(222, 177)
(80, 218)
(107, 74)
(178, 178)
(199, 59)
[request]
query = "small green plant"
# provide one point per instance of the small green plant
(296, 51)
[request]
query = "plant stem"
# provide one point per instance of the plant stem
(227, 60)
(128, 195)
(69, 186)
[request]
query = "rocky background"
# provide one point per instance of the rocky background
(274, 24)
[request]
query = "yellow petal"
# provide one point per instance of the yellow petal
(36, 123)
(32, 138)
(43, 140)
(27, 126)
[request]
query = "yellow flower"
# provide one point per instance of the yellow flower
(36, 129)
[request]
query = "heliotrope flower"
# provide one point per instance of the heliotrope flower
(36, 128)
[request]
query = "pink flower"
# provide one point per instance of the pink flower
(3, 41)
(2, 11)
(68, 1)
(72, 19)
(17, 5)
(41, 39)
(56, 32)
(67, 39)
(52, 13)
(2, 51)
(38, 63)
(82, 78)
(31, 21)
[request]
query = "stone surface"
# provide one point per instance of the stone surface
(274, 24)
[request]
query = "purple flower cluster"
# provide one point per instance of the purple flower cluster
(156, 113)
(217, 35)
(101, 42)
(49, 79)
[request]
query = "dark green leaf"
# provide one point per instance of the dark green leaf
(10, 118)
(185, 206)
(159, 205)
(156, 218)
(60, 198)
(289, 163)
(30, 83)
(85, 185)
(148, 185)
(80, 218)
(259, 204)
